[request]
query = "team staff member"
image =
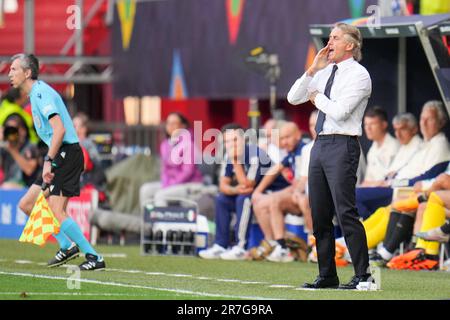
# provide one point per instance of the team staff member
(340, 88)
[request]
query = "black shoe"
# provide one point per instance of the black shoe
(92, 263)
(323, 283)
(63, 256)
(377, 260)
(356, 280)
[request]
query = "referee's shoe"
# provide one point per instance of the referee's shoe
(63, 256)
(93, 262)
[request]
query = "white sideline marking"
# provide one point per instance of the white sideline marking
(72, 294)
(152, 273)
(204, 278)
(117, 284)
(114, 255)
(253, 282)
(126, 271)
(281, 286)
(228, 280)
(23, 261)
(179, 275)
(244, 282)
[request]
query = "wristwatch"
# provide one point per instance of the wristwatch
(47, 158)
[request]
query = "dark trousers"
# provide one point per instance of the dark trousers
(225, 207)
(332, 179)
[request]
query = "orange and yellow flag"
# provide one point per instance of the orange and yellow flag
(41, 223)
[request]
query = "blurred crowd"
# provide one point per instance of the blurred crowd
(402, 194)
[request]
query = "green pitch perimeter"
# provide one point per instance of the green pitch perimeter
(23, 275)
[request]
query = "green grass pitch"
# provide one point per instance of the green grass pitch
(23, 275)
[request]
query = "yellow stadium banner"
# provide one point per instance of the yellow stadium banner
(41, 223)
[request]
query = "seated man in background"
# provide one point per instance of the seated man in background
(270, 142)
(431, 160)
(430, 217)
(80, 122)
(93, 176)
(425, 163)
(270, 208)
(412, 216)
(19, 159)
(383, 149)
(245, 164)
(300, 195)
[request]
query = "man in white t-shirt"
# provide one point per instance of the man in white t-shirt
(383, 149)
(406, 131)
(426, 163)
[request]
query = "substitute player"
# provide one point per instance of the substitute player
(63, 163)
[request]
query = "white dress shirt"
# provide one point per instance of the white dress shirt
(406, 153)
(380, 157)
(432, 152)
(349, 95)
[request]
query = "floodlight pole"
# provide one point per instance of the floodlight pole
(28, 33)
(401, 76)
(254, 115)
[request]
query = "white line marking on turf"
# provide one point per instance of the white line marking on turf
(154, 273)
(72, 294)
(228, 280)
(117, 284)
(114, 255)
(253, 282)
(243, 282)
(204, 278)
(281, 286)
(23, 261)
(125, 271)
(179, 275)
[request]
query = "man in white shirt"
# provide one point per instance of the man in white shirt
(406, 131)
(435, 149)
(383, 149)
(427, 163)
(379, 194)
(340, 88)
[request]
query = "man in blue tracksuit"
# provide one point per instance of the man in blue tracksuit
(244, 168)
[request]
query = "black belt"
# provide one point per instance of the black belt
(335, 136)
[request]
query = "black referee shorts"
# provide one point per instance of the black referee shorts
(70, 165)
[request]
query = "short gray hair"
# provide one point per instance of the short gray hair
(407, 118)
(28, 62)
(438, 107)
(352, 35)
